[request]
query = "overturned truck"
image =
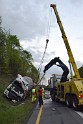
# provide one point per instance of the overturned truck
(19, 89)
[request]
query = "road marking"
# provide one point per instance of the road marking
(80, 113)
(39, 115)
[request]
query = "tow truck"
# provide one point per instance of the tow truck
(71, 92)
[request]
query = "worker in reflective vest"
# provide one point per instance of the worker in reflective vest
(34, 94)
(43, 93)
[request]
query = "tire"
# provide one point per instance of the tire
(57, 100)
(75, 103)
(68, 101)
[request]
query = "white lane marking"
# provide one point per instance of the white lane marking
(80, 113)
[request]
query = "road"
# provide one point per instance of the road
(55, 113)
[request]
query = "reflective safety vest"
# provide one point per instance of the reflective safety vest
(42, 90)
(43, 93)
(33, 92)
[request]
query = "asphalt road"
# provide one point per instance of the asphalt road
(55, 113)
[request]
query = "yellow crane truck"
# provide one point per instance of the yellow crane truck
(71, 92)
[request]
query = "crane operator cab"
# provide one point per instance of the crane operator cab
(60, 64)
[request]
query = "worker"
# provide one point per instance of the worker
(65, 70)
(40, 96)
(43, 92)
(34, 94)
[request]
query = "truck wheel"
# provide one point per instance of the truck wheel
(57, 100)
(68, 101)
(75, 103)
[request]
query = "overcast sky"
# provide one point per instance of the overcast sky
(33, 21)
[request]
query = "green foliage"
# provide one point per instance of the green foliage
(81, 71)
(33, 72)
(3, 53)
(13, 59)
(14, 114)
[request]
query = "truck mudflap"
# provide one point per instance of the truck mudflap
(80, 102)
(81, 99)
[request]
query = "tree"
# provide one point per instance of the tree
(12, 47)
(13, 58)
(3, 55)
(33, 72)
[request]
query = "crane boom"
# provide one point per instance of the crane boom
(71, 58)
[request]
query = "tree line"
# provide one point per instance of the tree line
(13, 58)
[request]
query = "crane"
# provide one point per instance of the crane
(70, 54)
(61, 64)
(71, 92)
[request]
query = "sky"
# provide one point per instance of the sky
(34, 21)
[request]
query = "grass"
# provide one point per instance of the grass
(12, 113)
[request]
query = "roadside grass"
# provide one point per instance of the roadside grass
(13, 113)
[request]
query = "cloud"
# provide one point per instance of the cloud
(76, 1)
(26, 19)
(79, 64)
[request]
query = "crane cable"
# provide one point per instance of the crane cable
(40, 66)
(48, 32)
(40, 79)
(39, 69)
